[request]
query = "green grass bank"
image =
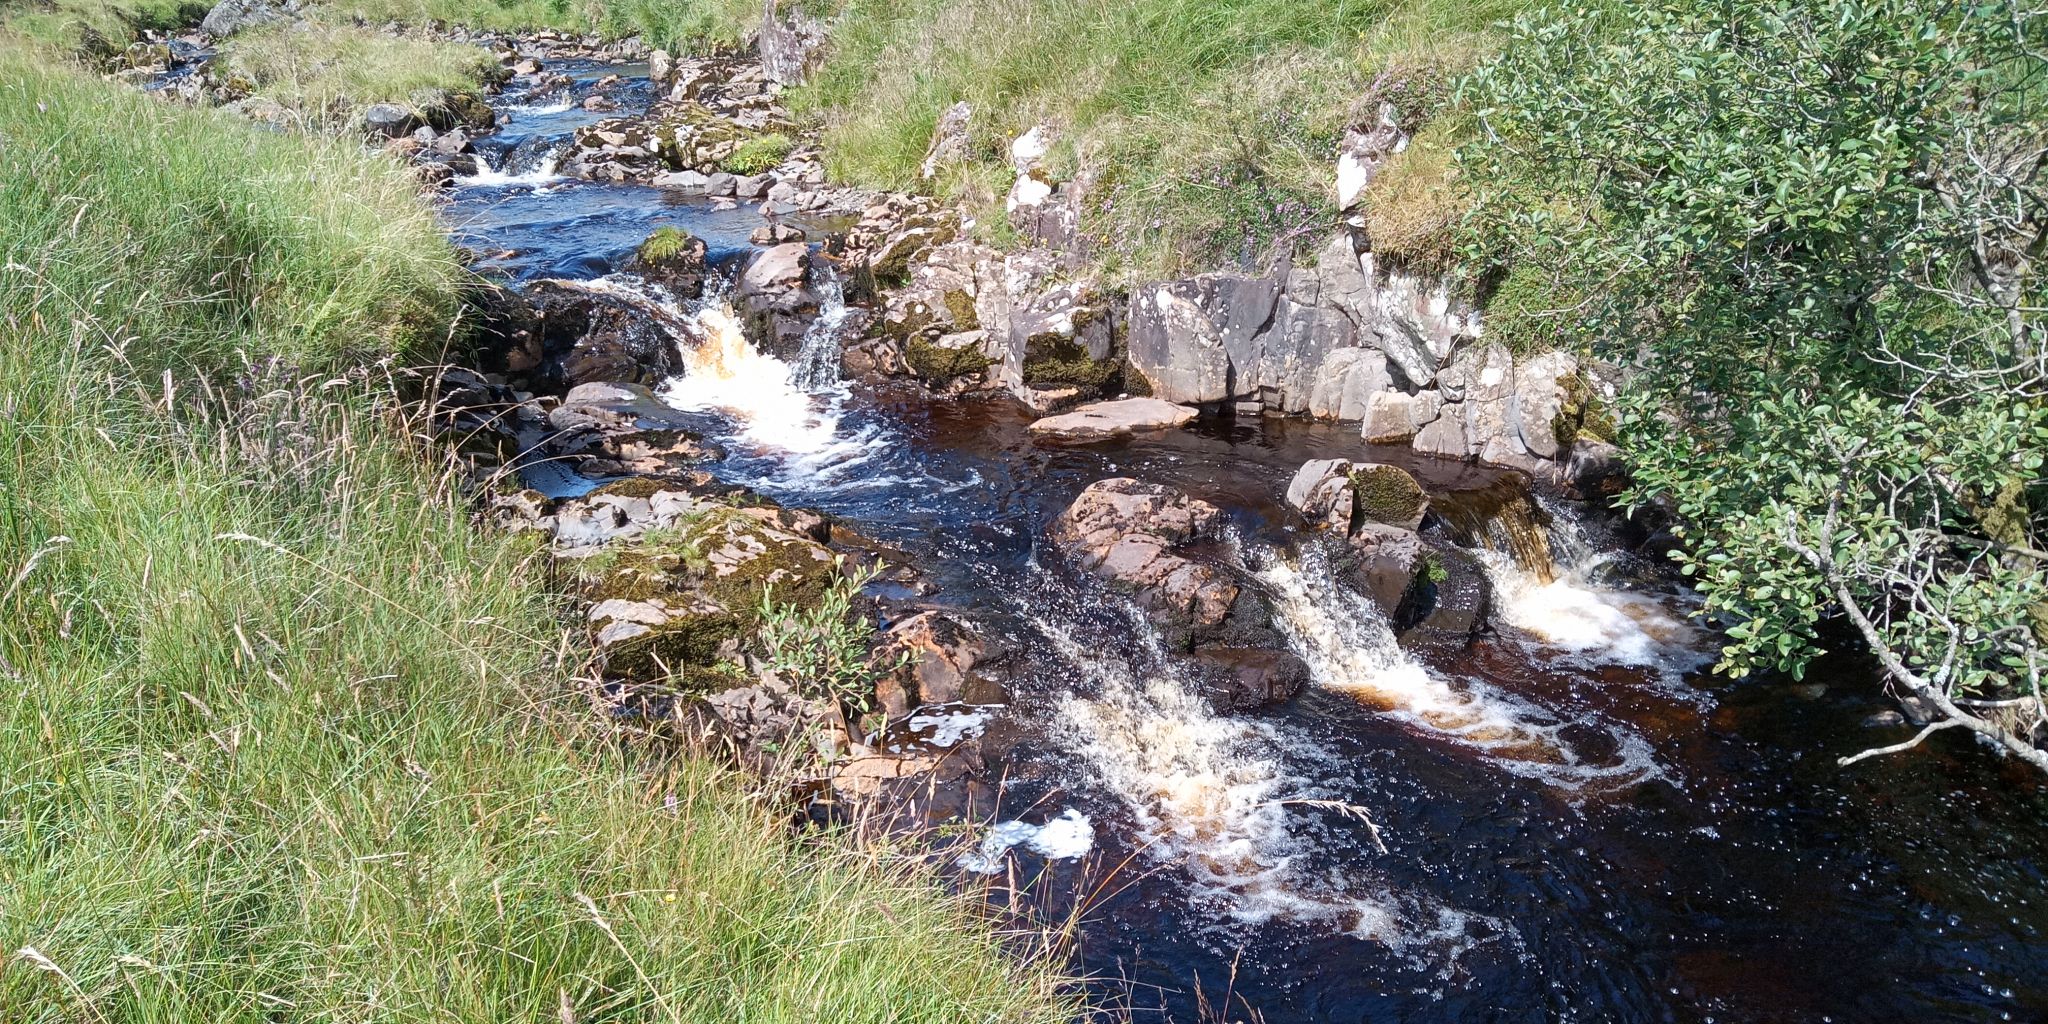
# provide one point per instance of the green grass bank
(287, 737)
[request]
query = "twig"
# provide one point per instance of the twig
(1896, 747)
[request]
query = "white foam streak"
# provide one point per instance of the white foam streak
(725, 373)
(1349, 646)
(1063, 838)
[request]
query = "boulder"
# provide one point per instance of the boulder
(777, 233)
(1134, 534)
(390, 120)
(939, 655)
(776, 300)
(650, 639)
(1237, 679)
(1394, 417)
(674, 259)
(790, 43)
(1345, 495)
(231, 16)
(1107, 420)
(592, 333)
(1391, 566)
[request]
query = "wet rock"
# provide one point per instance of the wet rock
(1595, 470)
(1106, 420)
(776, 299)
(598, 333)
(231, 16)
(775, 234)
(938, 656)
(1391, 566)
(1345, 494)
(1237, 679)
(1347, 383)
(1135, 535)
(659, 67)
(1886, 719)
(674, 259)
(1458, 600)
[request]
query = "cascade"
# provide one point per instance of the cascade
(1501, 517)
(1350, 647)
(817, 359)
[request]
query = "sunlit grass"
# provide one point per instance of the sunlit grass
(287, 735)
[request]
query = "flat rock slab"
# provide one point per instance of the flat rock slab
(1104, 420)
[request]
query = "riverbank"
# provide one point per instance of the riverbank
(294, 735)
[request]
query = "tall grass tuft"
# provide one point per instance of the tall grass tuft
(284, 736)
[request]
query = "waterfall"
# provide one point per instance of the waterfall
(1571, 607)
(540, 171)
(726, 373)
(1350, 647)
(817, 360)
(1501, 517)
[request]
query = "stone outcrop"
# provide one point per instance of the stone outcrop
(231, 16)
(1104, 421)
(1137, 536)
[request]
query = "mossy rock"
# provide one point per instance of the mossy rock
(665, 245)
(1582, 414)
(1068, 365)
(961, 306)
(737, 558)
(1387, 494)
(937, 364)
(695, 634)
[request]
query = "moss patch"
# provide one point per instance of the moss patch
(1387, 494)
(1069, 366)
(666, 243)
(1582, 414)
(938, 364)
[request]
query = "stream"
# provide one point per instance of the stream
(1570, 820)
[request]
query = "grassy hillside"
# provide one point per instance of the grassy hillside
(1212, 127)
(283, 738)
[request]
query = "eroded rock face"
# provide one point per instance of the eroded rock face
(1135, 535)
(592, 333)
(776, 299)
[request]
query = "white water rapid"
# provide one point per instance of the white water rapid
(1350, 647)
(487, 176)
(1567, 605)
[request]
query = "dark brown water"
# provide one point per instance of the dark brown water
(1579, 824)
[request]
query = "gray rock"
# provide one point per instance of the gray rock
(1394, 417)
(720, 183)
(949, 140)
(1105, 420)
(790, 44)
(231, 16)
(688, 181)
(752, 186)
(390, 120)
(1348, 380)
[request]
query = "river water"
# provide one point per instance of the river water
(1570, 820)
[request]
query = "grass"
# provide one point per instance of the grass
(97, 26)
(285, 736)
(326, 70)
(1211, 128)
(677, 25)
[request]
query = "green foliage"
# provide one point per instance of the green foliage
(1808, 226)
(825, 647)
(666, 243)
(759, 153)
(285, 734)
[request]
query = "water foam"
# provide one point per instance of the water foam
(1066, 837)
(1207, 792)
(1564, 606)
(1349, 646)
(486, 176)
